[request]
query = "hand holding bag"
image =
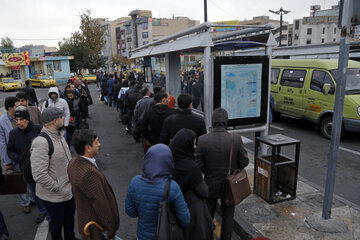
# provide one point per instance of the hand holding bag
(237, 186)
(168, 227)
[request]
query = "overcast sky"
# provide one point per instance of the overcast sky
(50, 19)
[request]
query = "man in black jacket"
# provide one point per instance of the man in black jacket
(20, 139)
(154, 118)
(212, 155)
(183, 118)
(30, 92)
(77, 114)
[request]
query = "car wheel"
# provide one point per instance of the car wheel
(4, 89)
(41, 85)
(326, 127)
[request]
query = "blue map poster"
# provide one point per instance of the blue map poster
(241, 90)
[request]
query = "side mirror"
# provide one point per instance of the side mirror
(326, 88)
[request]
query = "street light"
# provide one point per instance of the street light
(280, 12)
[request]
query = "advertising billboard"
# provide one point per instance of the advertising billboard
(241, 87)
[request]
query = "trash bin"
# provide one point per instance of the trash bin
(275, 174)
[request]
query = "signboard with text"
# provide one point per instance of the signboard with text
(16, 59)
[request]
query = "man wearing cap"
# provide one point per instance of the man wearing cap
(20, 139)
(7, 123)
(50, 174)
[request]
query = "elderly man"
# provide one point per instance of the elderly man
(94, 196)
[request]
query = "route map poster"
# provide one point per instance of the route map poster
(241, 90)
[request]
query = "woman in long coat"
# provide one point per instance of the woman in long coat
(190, 180)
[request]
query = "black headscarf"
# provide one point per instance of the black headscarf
(186, 173)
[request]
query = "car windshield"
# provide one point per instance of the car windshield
(352, 80)
(45, 78)
(9, 80)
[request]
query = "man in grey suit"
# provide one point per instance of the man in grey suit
(7, 123)
(212, 155)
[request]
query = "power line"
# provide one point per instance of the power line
(223, 9)
(36, 39)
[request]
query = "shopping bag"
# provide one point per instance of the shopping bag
(13, 184)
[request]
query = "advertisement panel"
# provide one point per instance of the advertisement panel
(225, 29)
(16, 59)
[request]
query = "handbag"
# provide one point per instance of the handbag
(168, 227)
(237, 186)
(13, 184)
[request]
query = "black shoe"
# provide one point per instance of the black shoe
(40, 218)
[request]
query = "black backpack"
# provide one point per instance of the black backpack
(25, 159)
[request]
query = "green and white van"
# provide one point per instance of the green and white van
(305, 88)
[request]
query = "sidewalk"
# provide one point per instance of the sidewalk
(295, 219)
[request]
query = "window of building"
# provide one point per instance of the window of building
(145, 35)
(57, 66)
(334, 40)
(334, 30)
(296, 37)
(322, 40)
(323, 31)
(145, 42)
(308, 41)
(293, 78)
(297, 25)
(15, 74)
(309, 31)
(275, 75)
(144, 26)
(318, 79)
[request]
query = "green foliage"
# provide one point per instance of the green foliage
(85, 45)
(7, 45)
(120, 60)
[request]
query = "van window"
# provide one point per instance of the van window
(293, 78)
(275, 75)
(318, 79)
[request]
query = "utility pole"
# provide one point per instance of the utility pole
(280, 12)
(205, 10)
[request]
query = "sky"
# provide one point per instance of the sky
(48, 21)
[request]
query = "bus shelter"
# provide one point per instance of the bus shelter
(204, 66)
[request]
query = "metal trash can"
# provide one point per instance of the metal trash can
(275, 174)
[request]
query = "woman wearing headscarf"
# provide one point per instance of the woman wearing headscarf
(189, 177)
(146, 191)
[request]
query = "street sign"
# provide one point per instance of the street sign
(349, 14)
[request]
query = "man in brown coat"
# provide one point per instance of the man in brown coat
(213, 153)
(95, 199)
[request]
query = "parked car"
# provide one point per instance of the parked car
(42, 81)
(306, 89)
(88, 78)
(7, 84)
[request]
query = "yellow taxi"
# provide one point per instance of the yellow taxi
(9, 84)
(88, 78)
(42, 81)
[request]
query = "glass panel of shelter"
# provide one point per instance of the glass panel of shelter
(192, 78)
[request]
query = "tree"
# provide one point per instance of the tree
(7, 45)
(120, 60)
(85, 45)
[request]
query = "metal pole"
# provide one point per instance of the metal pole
(205, 10)
(281, 14)
(208, 87)
(336, 126)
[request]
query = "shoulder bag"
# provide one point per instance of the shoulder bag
(237, 186)
(168, 227)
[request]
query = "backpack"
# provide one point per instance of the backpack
(25, 159)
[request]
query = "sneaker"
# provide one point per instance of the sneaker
(26, 209)
(40, 218)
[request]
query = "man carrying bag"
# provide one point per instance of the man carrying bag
(212, 155)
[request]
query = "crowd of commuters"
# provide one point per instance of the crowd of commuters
(177, 148)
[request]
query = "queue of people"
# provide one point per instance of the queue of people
(178, 150)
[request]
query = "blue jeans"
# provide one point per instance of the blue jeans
(61, 215)
(38, 201)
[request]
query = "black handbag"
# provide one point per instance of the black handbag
(168, 227)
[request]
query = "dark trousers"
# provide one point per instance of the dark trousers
(227, 217)
(61, 215)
